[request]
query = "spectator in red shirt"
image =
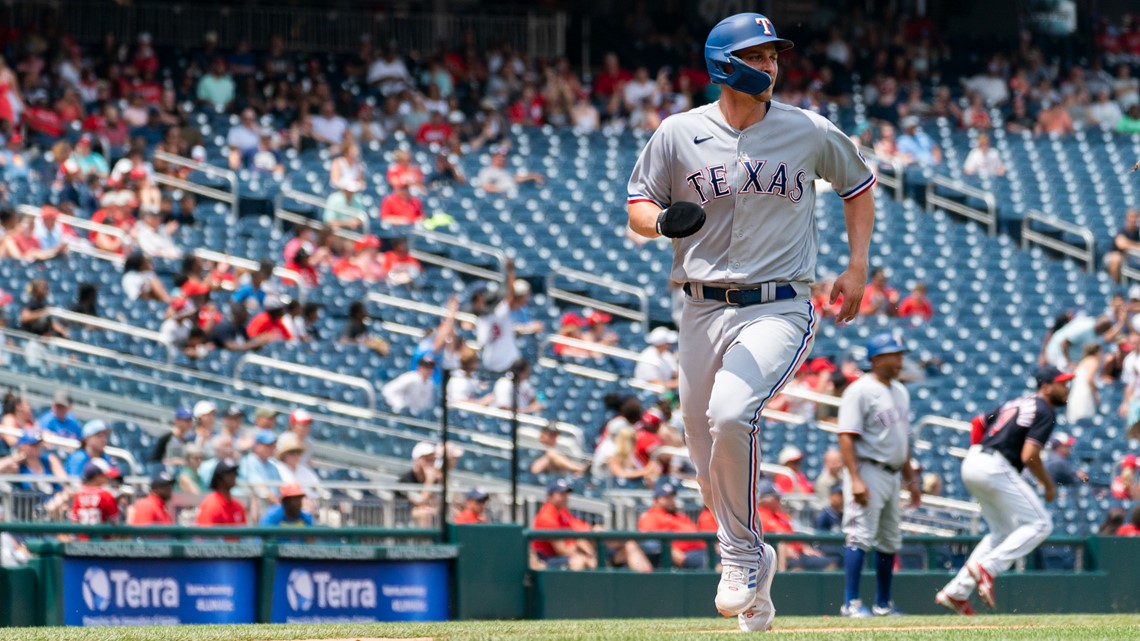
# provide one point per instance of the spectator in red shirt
(399, 266)
(1125, 485)
(154, 508)
(878, 297)
(573, 554)
(664, 516)
(647, 439)
(434, 131)
(791, 457)
(219, 507)
(706, 522)
(610, 78)
(774, 520)
(400, 207)
(41, 118)
(113, 129)
(269, 321)
(474, 508)
(403, 172)
(94, 504)
(302, 265)
(917, 304)
(1132, 528)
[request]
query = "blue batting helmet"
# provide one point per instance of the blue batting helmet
(732, 34)
(885, 343)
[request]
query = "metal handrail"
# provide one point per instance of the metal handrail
(112, 326)
(988, 217)
(940, 421)
(475, 248)
(419, 254)
(894, 182)
(423, 308)
(79, 223)
(210, 170)
(524, 419)
(555, 293)
(305, 370)
(206, 379)
(248, 264)
(317, 201)
(71, 444)
(1029, 235)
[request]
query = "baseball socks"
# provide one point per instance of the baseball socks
(853, 568)
(884, 572)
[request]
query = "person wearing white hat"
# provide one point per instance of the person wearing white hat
(205, 417)
(658, 364)
(799, 483)
(425, 471)
(96, 433)
(301, 424)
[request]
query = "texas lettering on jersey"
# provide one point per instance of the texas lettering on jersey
(711, 182)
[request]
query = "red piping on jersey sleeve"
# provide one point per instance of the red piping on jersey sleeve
(859, 190)
(641, 200)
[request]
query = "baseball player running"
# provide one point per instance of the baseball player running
(874, 426)
(733, 184)
(1006, 441)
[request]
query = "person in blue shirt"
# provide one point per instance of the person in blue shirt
(94, 439)
(290, 512)
(59, 419)
(258, 468)
(916, 147)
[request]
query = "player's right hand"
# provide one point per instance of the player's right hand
(859, 492)
(680, 219)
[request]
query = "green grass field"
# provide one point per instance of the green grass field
(981, 628)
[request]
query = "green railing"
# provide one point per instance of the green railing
(929, 542)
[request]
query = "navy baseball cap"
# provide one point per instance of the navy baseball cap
(477, 494)
(559, 485)
(183, 412)
(884, 343)
(766, 488)
(664, 489)
(1050, 374)
(161, 478)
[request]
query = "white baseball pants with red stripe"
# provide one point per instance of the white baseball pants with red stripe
(1017, 519)
(733, 361)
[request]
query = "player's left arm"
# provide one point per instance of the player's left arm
(1031, 456)
(859, 215)
(839, 162)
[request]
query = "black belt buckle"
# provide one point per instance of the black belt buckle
(728, 296)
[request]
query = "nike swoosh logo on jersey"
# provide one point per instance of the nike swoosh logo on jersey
(697, 141)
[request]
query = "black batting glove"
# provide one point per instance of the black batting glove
(680, 219)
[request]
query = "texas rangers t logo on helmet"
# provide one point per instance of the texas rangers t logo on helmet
(766, 23)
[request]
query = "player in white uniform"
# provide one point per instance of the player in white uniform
(1006, 441)
(874, 432)
(733, 183)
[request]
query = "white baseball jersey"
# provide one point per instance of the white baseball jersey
(880, 416)
(768, 169)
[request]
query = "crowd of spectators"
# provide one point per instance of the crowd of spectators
(94, 116)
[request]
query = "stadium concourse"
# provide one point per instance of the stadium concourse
(250, 248)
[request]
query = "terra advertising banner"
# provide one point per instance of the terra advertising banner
(104, 591)
(359, 591)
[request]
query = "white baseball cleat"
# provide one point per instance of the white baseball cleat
(736, 590)
(758, 617)
(855, 610)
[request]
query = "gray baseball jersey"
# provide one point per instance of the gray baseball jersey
(757, 187)
(880, 416)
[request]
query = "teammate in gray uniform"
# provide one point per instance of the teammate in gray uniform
(733, 183)
(874, 426)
